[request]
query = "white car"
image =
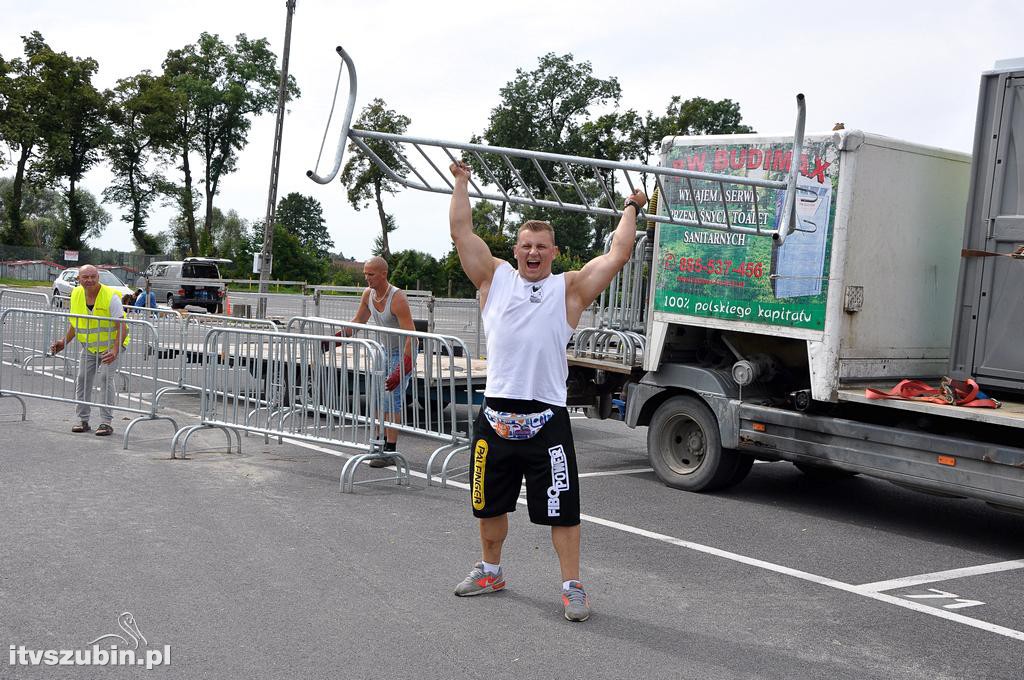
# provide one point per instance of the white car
(68, 279)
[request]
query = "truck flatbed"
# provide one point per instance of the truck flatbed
(1010, 414)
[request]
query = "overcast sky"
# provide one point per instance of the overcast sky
(904, 69)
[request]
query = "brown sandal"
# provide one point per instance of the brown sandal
(81, 427)
(104, 430)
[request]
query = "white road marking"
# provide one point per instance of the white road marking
(863, 591)
(761, 564)
(936, 576)
(610, 473)
(936, 594)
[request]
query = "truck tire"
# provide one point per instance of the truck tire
(685, 448)
(170, 300)
(744, 463)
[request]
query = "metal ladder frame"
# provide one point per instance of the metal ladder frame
(519, 193)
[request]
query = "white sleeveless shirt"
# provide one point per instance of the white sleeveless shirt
(526, 337)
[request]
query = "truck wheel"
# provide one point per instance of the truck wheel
(822, 473)
(744, 463)
(685, 448)
(170, 300)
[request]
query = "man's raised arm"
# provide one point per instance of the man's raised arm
(583, 287)
(474, 255)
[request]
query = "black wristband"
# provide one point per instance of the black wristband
(631, 202)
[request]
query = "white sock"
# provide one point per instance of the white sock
(491, 568)
(565, 584)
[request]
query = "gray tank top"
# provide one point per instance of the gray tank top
(385, 318)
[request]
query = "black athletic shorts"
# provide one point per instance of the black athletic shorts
(547, 461)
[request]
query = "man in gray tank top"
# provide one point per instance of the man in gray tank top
(523, 429)
(389, 308)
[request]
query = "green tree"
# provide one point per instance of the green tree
(365, 181)
(700, 116)
(486, 217)
(543, 110)
(695, 116)
(24, 102)
(74, 130)
(142, 123)
(380, 243)
(292, 261)
(304, 217)
(44, 213)
(416, 270)
(183, 85)
(232, 241)
(500, 245)
(221, 88)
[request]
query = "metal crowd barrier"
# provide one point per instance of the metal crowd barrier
(609, 344)
(344, 306)
(23, 299)
(279, 305)
(438, 400)
(615, 330)
(285, 385)
(621, 305)
(193, 338)
(35, 372)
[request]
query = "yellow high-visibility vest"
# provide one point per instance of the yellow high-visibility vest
(96, 334)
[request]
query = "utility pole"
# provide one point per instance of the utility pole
(267, 256)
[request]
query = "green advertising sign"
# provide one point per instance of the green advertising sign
(744, 277)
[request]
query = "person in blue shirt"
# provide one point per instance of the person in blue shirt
(145, 297)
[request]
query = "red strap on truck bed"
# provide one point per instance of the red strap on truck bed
(950, 392)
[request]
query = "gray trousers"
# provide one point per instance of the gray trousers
(89, 369)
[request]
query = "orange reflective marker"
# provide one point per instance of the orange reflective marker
(947, 460)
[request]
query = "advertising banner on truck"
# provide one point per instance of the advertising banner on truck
(744, 277)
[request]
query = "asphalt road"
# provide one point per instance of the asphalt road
(253, 565)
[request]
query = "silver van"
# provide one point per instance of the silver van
(193, 281)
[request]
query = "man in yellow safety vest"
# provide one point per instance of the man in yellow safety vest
(101, 337)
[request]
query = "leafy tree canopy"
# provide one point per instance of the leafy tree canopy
(365, 181)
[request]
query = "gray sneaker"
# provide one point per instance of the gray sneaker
(575, 603)
(381, 462)
(479, 582)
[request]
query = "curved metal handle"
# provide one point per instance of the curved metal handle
(346, 124)
(787, 225)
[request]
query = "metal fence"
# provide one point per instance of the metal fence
(440, 389)
(29, 369)
(279, 305)
(285, 385)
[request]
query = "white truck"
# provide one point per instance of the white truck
(760, 351)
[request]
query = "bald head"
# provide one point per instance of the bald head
(375, 270)
(89, 278)
(377, 263)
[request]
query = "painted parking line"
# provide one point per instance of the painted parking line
(869, 591)
(935, 577)
(912, 605)
(611, 473)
